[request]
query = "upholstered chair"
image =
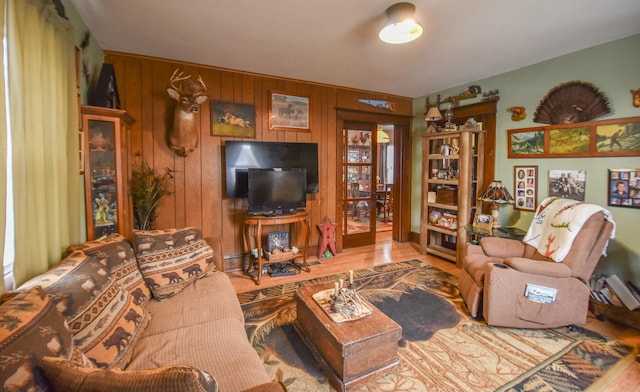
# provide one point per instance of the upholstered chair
(512, 283)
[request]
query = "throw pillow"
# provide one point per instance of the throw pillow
(30, 328)
(107, 330)
(103, 318)
(117, 254)
(73, 283)
(68, 376)
(172, 259)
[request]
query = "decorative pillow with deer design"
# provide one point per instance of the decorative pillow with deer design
(116, 253)
(172, 259)
(30, 328)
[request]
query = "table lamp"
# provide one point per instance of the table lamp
(497, 195)
(433, 114)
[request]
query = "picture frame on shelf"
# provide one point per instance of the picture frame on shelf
(277, 240)
(288, 112)
(482, 223)
(569, 184)
(624, 188)
(525, 180)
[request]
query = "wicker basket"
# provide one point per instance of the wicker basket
(618, 314)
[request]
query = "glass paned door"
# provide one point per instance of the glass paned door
(359, 179)
(103, 169)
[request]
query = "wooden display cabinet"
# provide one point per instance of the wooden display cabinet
(107, 169)
(452, 172)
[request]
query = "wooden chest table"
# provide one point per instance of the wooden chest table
(351, 352)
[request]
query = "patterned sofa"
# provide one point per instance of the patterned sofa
(155, 316)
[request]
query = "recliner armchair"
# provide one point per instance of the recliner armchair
(496, 274)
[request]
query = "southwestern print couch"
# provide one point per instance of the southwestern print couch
(153, 316)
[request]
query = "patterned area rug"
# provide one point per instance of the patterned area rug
(442, 348)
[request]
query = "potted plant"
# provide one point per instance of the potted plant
(147, 190)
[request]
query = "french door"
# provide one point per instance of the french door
(359, 179)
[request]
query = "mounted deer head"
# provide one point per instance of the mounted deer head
(182, 137)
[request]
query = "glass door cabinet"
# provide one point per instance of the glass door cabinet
(106, 175)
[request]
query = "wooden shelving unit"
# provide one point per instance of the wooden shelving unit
(452, 165)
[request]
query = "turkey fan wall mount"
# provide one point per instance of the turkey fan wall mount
(571, 102)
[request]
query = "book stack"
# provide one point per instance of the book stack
(611, 290)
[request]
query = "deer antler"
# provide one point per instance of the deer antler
(177, 77)
(204, 86)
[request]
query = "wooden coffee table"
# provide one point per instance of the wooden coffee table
(351, 352)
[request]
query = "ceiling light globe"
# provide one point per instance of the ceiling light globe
(401, 26)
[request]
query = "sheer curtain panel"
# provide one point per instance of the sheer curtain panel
(44, 133)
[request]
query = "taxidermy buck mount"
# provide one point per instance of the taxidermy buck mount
(182, 135)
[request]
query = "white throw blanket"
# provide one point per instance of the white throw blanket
(556, 224)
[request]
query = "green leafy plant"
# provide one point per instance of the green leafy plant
(147, 190)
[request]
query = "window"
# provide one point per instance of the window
(9, 238)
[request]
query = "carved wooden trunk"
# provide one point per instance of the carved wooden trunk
(352, 352)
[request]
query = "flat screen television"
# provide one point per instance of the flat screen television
(242, 155)
(277, 191)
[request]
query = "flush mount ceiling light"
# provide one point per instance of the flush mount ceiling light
(401, 26)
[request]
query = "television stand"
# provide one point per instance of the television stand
(257, 222)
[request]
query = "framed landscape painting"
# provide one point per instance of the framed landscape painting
(526, 143)
(288, 112)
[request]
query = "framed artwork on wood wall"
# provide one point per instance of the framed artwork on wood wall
(233, 119)
(525, 179)
(288, 112)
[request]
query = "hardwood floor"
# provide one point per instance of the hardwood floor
(388, 251)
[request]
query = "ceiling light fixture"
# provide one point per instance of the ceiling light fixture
(401, 26)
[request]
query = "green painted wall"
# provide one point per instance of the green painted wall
(92, 58)
(614, 69)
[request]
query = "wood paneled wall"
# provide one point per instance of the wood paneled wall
(198, 197)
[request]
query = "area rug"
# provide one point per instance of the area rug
(442, 348)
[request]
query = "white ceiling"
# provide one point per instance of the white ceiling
(336, 41)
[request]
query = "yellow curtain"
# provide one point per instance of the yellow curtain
(3, 149)
(44, 130)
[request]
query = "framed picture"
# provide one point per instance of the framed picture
(277, 240)
(613, 138)
(232, 119)
(525, 179)
(288, 112)
(569, 184)
(526, 144)
(624, 188)
(482, 223)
